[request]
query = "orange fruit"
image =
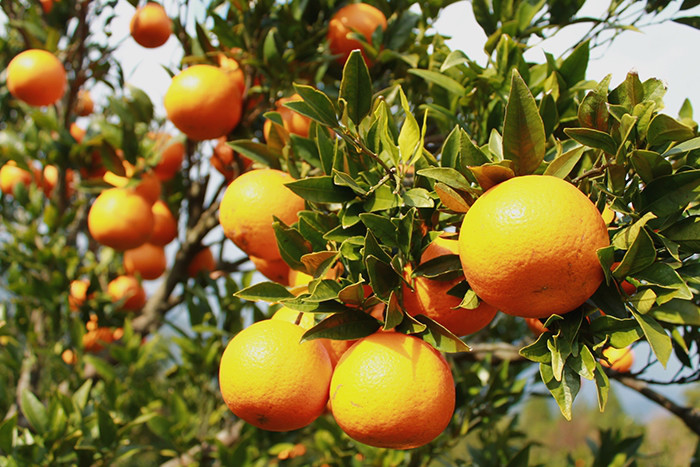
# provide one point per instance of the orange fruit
(50, 179)
(128, 291)
(77, 294)
(528, 246)
(97, 337)
(393, 391)
(11, 175)
(271, 380)
(225, 160)
(84, 105)
(248, 205)
(149, 185)
(77, 132)
(535, 325)
(150, 26)
(147, 261)
(620, 360)
(430, 298)
(68, 356)
(202, 262)
(47, 6)
(625, 285)
(172, 153)
(274, 269)
(292, 121)
(36, 77)
(120, 218)
(164, 224)
(233, 69)
(203, 102)
(356, 17)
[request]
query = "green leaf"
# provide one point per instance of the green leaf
(446, 175)
(659, 341)
(267, 291)
(381, 227)
(593, 112)
(640, 255)
(81, 395)
(439, 337)
(456, 57)
(470, 155)
(7, 430)
(323, 290)
(320, 189)
(584, 363)
(106, 426)
(316, 105)
(564, 391)
(292, 245)
(345, 326)
(573, 68)
(650, 165)
(671, 194)
(664, 129)
(34, 411)
(602, 386)
(565, 163)
(382, 276)
(538, 351)
(355, 87)
(257, 152)
(686, 146)
(523, 129)
(664, 276)
(686, 233)
(593, 138)
(410, 135)
(680, 312)
(441, 80)
(418, 198)
(622, 332)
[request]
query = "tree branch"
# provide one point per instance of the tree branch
(689, 415)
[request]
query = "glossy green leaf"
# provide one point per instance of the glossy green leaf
(381, 227)
(345, 326)
(316, 105)
(686, 233)
(564, 391)
(410, 139)
(355, 87)
(382, 276)
(664, 129)
(439, 337)
(593, 139)
(621, 332)
(671, 194)
(538, 351)
(664, 276)
(257, 152)
(34, 411)
(320, 189)
(441, 80)
(562, 166)
(602, 385)
(650, 165)
(446, 175)
(681, 312)
(267, 291)
(418, 198)
(659, 341)
(523, 129)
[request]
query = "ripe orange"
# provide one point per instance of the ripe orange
(36, 77)
(233, 69)
(620, 360)
(335, 347)
(77, 294)
(528, 246)
(121, 219)
(203, 102)
(97, 336)
(172, 153)
(356, 17)
(430, 298)
(149, 185)
(147, 261)
(150, 26)
(274, 269)
(68, 356)
(164, 224)
(625, 285)
(247, 208)
(293, 122)
(202, 262)
(50, 179)
(77, 132)
(271, 380)
(392, 390)
(47, 6)
(128, 289)
(11, 175)
(226, 162)
(84, 105)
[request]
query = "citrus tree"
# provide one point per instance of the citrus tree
(341, 243)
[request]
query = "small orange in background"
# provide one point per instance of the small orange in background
(11, 175)
(147, 261)
(97, 336)
(203, 102)
(150, 26)
(536, 326)
(528, 246)
(620, 360)
(84, 106)
(47, 6)
(430, 298)
(77, 132)
(49, 180)
(292, 121)
(164, 224)
(392, 390)
(69, 357)
(356, 17)
(172, 153)
(121, 219)
(36, 77)
(128, 289)
(274, 269)
(271, 380)
(202, 262)
(248, 206)
(77, 294)
(224, 160)
(233, 69)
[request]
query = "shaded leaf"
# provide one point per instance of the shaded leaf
(267, 291)
(355, 87)
(659, 341)
(345, 326)
(320, 189)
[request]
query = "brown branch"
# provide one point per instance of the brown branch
(500, 350)
(689, 415)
